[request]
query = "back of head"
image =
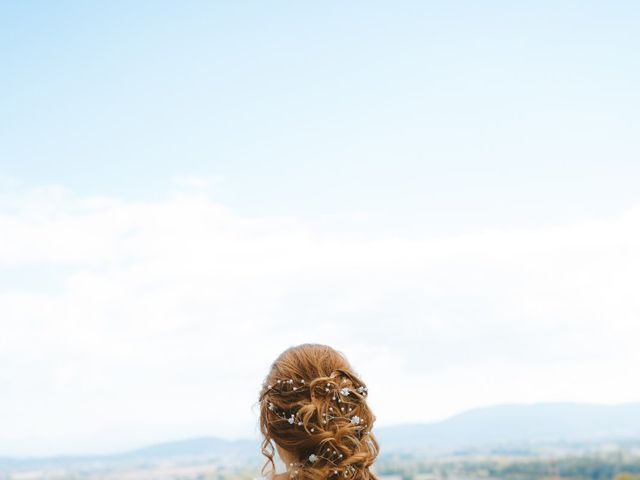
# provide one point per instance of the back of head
(313, 406)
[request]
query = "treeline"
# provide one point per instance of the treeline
(595, 467)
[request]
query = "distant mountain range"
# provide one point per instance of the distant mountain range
(499, 426)
(519, 424)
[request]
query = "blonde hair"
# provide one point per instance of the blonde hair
(317, 366)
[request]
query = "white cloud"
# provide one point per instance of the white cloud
(129, 322)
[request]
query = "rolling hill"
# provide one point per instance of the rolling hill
(480, 429)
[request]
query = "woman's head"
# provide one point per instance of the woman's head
(313, 406)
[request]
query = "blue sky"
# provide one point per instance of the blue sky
(182, 181)
(496, 113)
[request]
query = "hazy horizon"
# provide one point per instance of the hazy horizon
(378, 429)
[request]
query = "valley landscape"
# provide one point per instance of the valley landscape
(510, 442)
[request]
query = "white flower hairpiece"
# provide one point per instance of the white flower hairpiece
(331, 456)
(281, 386)
(284, 386)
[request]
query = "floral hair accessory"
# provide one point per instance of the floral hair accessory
(288, 385)
(291, 418)
(330, 456)
(343, 409)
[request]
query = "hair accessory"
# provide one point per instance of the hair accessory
(289, 418)
(331, 456)
(286, 385)
(289, 385)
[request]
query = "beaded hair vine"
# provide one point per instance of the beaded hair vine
(340, 394)
(280, 387)
(333, 458)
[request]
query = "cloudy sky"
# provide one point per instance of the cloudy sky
(447, 193)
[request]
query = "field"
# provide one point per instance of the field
(617, 464)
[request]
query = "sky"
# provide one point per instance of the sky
(446, 192)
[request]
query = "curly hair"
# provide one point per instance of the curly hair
(331, 436)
